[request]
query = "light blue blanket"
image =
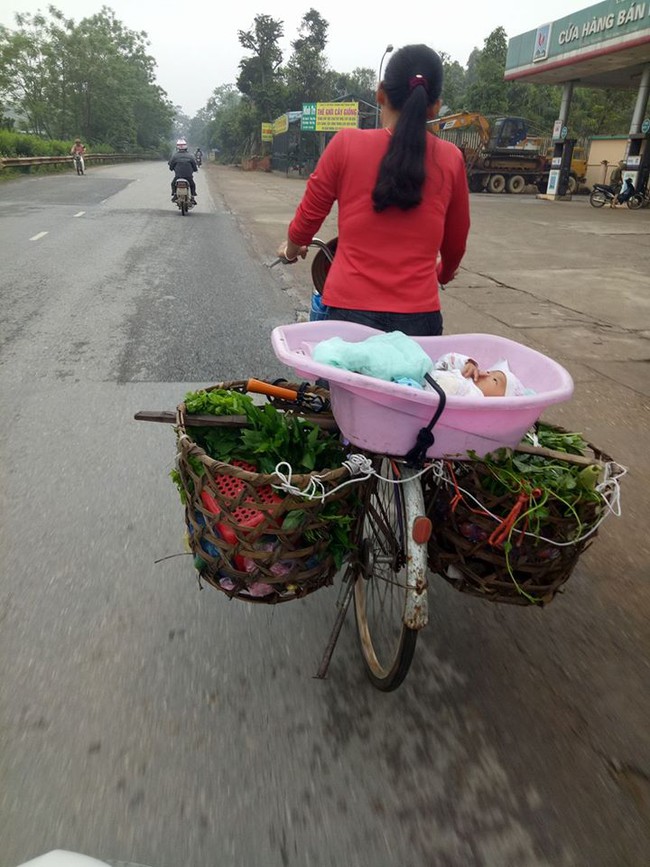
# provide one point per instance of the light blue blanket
(391, 356)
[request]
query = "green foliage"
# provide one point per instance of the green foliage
(260, 77)
(306, 71)
(361, 82)
(488, 92)
(544, 479)
(93, 79)
(13, 144)
(270, 438)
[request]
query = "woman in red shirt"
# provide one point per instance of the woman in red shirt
(402, 200)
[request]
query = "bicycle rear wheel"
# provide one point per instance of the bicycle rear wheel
(385, 558)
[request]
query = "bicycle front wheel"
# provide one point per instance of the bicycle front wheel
(385, 559)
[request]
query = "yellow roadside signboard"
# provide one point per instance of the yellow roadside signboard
(281, 124)
(331, 116)
(267, 132)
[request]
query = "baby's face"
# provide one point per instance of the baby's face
(492, 383)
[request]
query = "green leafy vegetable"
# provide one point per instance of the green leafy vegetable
(270, 437)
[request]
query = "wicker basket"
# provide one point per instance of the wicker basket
(237, 523)
(460, 550)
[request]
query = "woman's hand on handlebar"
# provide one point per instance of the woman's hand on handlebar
(290, 252)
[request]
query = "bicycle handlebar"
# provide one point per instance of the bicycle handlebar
(316, 242)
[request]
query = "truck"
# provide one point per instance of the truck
(500, 155)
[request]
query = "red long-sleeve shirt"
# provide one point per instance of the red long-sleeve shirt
(386, 261)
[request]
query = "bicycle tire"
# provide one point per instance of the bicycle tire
(385, 556)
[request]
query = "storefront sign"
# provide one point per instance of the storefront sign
(280, 124)
(609, 20)
(329, 116)
(542, 40)
(308, 119)
(267, 132)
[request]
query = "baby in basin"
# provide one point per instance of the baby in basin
(460, 375)
(395, 357)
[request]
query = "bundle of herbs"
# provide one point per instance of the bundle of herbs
(543, 480)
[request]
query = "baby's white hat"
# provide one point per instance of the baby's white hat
(514, 386)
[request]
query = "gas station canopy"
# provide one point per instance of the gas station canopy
(606, 45)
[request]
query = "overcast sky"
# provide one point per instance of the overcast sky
(358, 31)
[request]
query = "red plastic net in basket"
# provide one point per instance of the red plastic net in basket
(231, 489)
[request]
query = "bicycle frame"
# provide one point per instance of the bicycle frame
(416, 609)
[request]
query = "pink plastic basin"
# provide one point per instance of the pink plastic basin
(385, 417)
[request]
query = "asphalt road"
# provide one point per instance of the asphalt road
(144, 720)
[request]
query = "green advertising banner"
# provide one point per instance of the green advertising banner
(308, 119)
(615, 20)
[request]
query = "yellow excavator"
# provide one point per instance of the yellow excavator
(499, 153)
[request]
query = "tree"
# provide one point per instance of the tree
(454, 84)
(24, 70)
(181, 123)
(260, 77)
(488, 92)
(93, 79)
(601, 112)
(228, 123)
(306, 72)
(361, 83)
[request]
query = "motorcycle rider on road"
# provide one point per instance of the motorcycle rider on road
(183, 165)
(79, 150)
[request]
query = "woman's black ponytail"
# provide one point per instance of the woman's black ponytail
(412, 83)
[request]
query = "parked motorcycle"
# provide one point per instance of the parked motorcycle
(603, 194)
(640, 199)
(183, 196)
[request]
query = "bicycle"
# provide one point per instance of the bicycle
(397, 438)
(402, 432)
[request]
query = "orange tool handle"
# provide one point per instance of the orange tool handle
(258, 387)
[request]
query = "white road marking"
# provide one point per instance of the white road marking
(80, 214)
(39, 236)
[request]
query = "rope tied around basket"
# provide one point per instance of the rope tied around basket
(360, 468)
(356, 464)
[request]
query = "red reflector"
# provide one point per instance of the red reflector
(422, 528)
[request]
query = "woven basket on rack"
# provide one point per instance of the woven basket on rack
(460, 552)
(240, 530)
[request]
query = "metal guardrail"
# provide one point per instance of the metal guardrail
(11, 162)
